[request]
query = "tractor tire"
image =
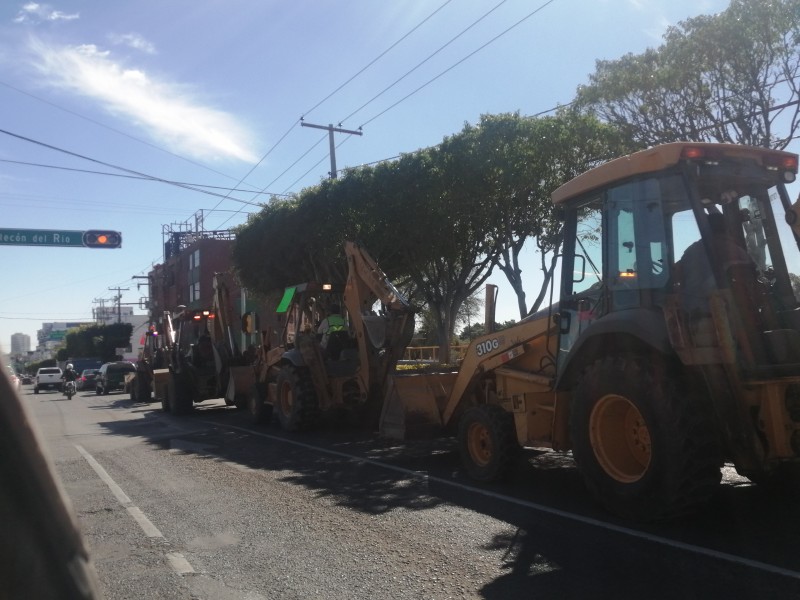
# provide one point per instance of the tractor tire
(180, 400)
(297, 405)
(643, 443)
(260, 411)
(487, 442)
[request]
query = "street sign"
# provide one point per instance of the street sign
(57, 237)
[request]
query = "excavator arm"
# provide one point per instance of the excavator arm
(382, 338)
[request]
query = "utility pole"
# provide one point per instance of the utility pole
(100, 311)
(331, 130)
(119, 301)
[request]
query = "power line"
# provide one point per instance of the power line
(145, 178)
(426, 59)
(117, 131)
(105, 164)
(339, 88)
(377, 58)
(453, 66)
(418, 89)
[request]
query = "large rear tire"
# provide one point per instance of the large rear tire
(487, 442)
(644, 445)
(297, 405)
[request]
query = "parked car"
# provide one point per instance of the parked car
(111, 376)
(47, 378)
(87, 379)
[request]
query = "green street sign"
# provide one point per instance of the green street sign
(56, 237)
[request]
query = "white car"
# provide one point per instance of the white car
(47, 378)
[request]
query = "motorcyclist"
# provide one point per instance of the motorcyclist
(69, 374)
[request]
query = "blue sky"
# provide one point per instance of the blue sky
(211, 94)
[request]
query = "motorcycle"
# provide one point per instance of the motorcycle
(69, 389)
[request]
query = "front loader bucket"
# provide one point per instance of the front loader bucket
(240, 383)
(414, 403)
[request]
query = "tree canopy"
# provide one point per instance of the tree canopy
(96, 340)
(730, 77)
(437, 220)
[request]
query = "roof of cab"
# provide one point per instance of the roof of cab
(649, 161)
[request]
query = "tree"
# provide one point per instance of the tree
(730, 77)
(96, 340)
(523, 160)
(438, 220)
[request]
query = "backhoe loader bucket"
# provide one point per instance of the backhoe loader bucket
(240, 383)
(414, 403)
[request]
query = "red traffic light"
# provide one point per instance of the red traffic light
(99, 238)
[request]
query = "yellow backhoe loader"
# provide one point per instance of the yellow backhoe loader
(299, 380)
(673, 346)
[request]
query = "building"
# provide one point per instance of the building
(108, 315)
(186, 277)
(52, 335)
(20, 343)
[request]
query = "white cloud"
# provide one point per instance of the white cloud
(133, 40)
(33, 12)
(169, 112)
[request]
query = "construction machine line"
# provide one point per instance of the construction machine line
(672, 347)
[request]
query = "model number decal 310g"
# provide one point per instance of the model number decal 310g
(487, 346)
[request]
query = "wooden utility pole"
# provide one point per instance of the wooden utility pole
(119, 301)
(331, 130)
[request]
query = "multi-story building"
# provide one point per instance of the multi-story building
(108, 315)
(20, 343)
(186, 277)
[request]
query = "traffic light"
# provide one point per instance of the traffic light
(100, 238)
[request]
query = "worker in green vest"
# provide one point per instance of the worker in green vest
(333, 322)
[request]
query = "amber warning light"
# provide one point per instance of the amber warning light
(98, 238)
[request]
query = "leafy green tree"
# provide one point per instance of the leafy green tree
(525, 159)
(438, 220)
(471, 331)
(96, 340)
(729, 77)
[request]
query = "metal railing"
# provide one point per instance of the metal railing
(431, 353)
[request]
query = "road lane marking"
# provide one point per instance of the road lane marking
(716, 554)
(176, 560)
(179, 564)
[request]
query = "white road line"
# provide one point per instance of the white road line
(179, 564)
(176, 560)
(724, 556)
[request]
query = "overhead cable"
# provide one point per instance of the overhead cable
(453, 66)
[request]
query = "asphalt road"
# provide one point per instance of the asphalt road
(208, 506)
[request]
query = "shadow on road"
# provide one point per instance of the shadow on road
(562, 544)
